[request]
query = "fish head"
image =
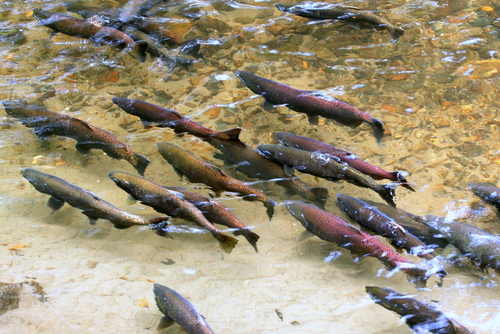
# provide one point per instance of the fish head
(296, 208)
(350, 205)
(125, 104)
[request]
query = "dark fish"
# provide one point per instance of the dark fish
(321, 10)
(111, 15)
(151, 114)
(478, 245)
(412, 223)
(331, 228)
(47, 123)
(199, 171)
(249, 162)
(73, 26)
(177, 308)
(371, 218)
(136, 8)
(325, 166)
(312, 103)
(157, 31)
(419, 316)
(311, 145)
(217, 213)
(488, 192)
(169, 202)
(92, 206)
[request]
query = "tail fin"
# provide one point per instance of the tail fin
(231, 134)
(400, 176)
(270, 204)
(378, 128)
(251, 237)
(139, 51)
(320, 195)
(226, 242)
(396, 32)
(387, 193)
(141, 163)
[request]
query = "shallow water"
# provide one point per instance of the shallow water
(435, 90)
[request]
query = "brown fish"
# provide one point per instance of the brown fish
(322, 10)
(47, 123)
(217, 213)
(311, 145)
(169, 202)
(331, 228)
(92, 206)
(72, 26)
(311, 103)
(488, 192)
(419, 316)
(177, 308)
(151, 114)
(199, 171)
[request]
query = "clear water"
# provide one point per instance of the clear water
(435, 89)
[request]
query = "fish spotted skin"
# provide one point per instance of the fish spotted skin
(381, 224)
(331, 228)
(312, 103)
(488, 192)
(199, 171)
(321, 10)
(47, 123)
(419, 316)
(151, 114)
(177, 308)
(217, 213)
(73, 26)
(92, 206)
(478, 245)
(311, 145)
(249, 162)
(169, 202)
(325, 166)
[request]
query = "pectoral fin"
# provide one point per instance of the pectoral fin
(55, 203)
(305, 235)
(288, 170)
(164, 323)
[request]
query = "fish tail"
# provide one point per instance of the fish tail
(139, 51)
(400, 176)
(141, 163)
(226, 242)
(378, 128)
(231, 134)
(417, 276)
(387, 193)
(251, 237)
(270, 204)
(397, 32)
(320, 195)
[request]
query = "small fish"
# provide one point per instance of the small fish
(488, 192)
(331, 228)
(322, 10)
(371, 218)
(92, 206)
(73, 26)
(177, 308)
(478, 245)
(47, 123)
(217, 213)
(169, 202)
(325, 166)
(419, 316)
(136, 8)
(199, 171)
(311, 145)
(312, 103)
(151, 114)
(249, 162)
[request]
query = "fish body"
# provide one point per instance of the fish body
(249, 162)
(488, 192)
(217, 213)
(312, 103)
(311, 145)
(47, 123)
(151, 114)
(199, 171)
(73, 26)
(321, 10)
(371, 218)
(92, 206)
(325, 166)
(419, 316)
(331, 228)
(478, 245)
(169, 202)
(112, 15)
(177, 308)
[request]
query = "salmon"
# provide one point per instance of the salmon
(488, 192)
